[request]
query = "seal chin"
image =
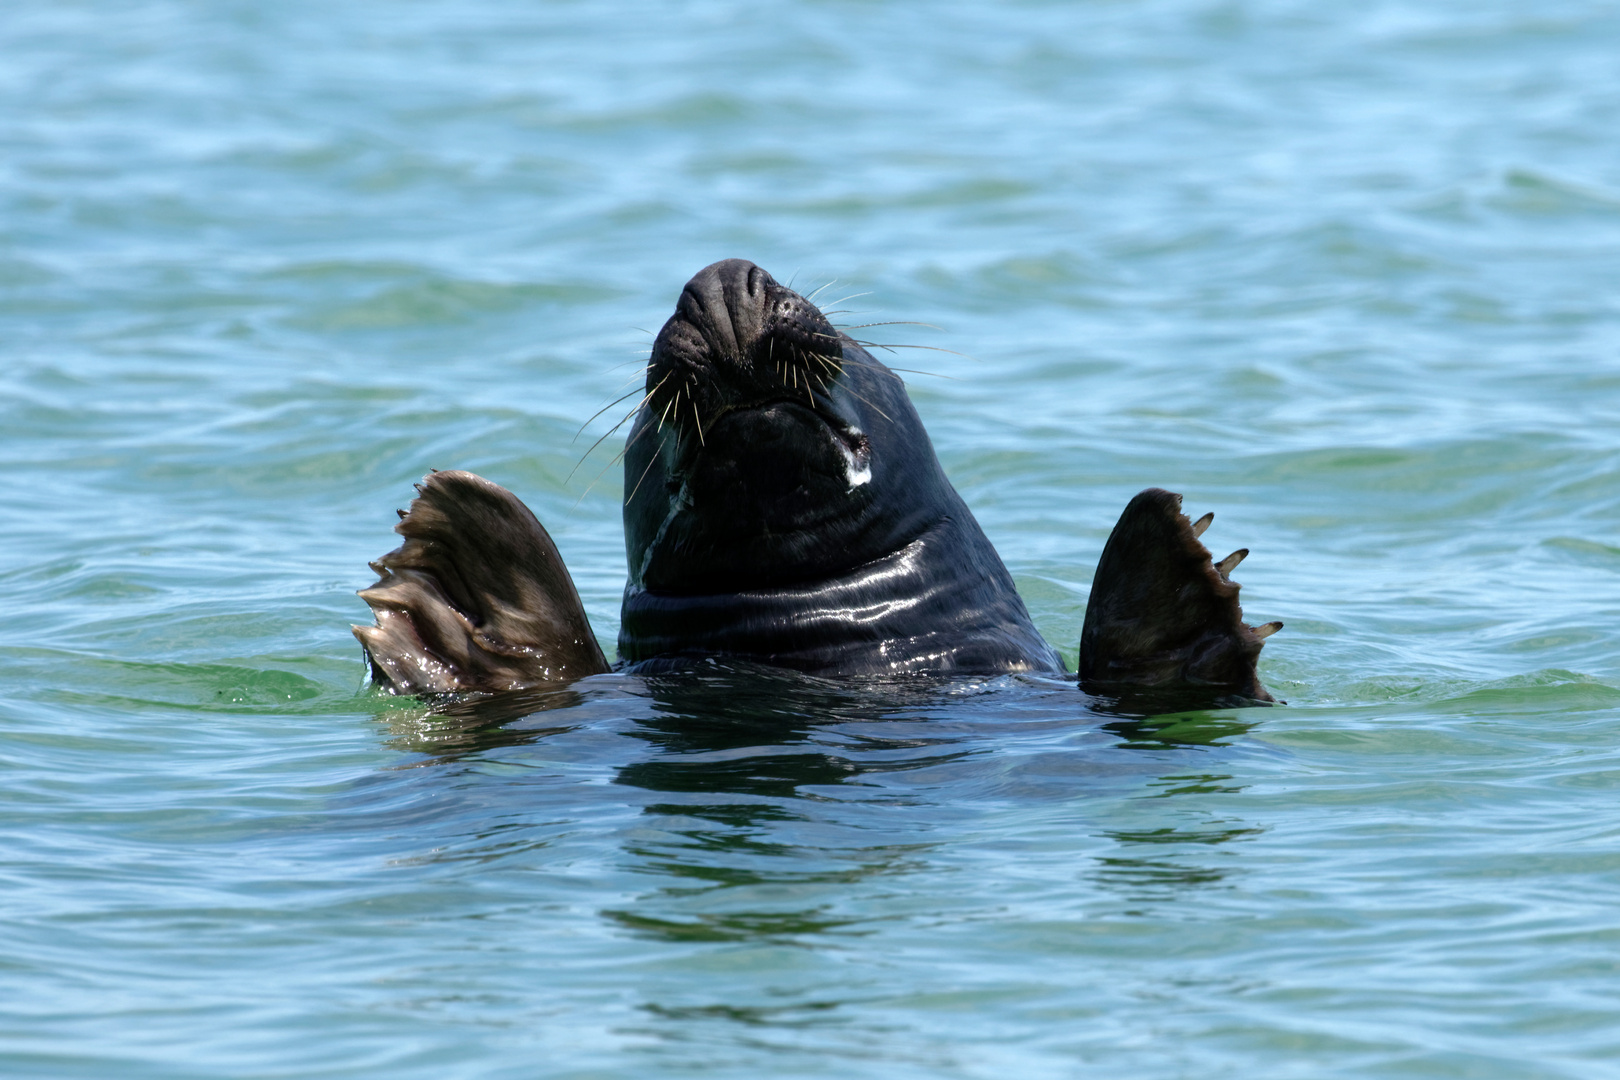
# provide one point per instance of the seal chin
(774, 491)
(822, 419)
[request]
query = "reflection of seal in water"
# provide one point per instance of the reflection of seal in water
(784, 504)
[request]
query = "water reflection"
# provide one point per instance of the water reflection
(450, 727)
(1147, 702)
(701, 718)
(795, 1014)
(775, 795)
(773, 777)
(1181, 836)
(732, 927)
(1198, 729)
(1161, 863)
(1194, 784)
(765, 733)
(1148, 880)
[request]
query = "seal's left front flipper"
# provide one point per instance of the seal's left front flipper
(1163, 617)
(477, 598)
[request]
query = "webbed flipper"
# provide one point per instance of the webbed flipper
(476, 598)
(1163, 616)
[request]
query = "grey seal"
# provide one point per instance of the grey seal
(784, 505)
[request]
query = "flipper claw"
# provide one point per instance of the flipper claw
(1230, 563)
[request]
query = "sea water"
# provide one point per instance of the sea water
(1346, 275)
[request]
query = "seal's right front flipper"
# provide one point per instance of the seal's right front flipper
(477, 597)
(1163, 617)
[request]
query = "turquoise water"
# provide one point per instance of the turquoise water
(1344, 274)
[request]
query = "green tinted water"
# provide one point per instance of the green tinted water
(1343, 276)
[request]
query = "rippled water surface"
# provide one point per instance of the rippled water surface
(1344, 274)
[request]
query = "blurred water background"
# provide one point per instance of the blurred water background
(1345, 274)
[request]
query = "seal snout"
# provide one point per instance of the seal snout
(726, 304)
(738, 338)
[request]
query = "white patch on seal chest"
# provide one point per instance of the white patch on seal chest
(857, 470)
